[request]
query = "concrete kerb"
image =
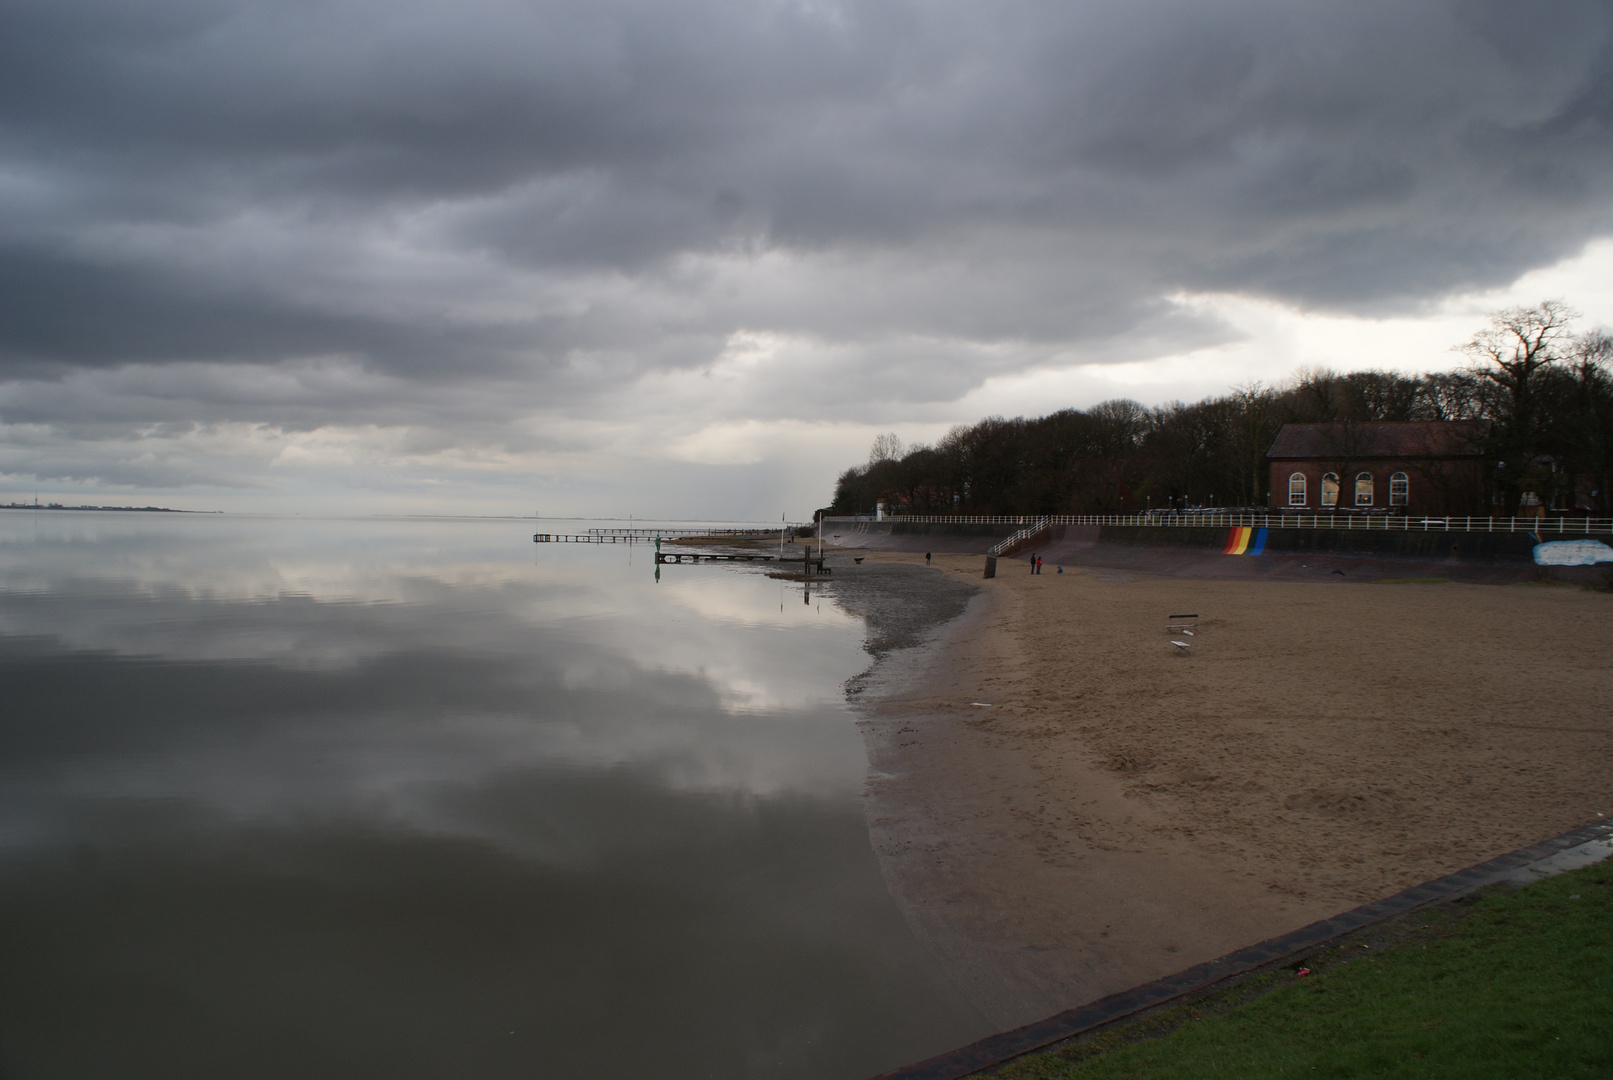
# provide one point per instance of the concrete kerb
(1570, 851)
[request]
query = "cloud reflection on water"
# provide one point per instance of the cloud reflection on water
(458, 667)
(410, 799)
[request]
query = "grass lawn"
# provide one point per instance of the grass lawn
(1517, 984)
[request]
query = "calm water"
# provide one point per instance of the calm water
(424, 799)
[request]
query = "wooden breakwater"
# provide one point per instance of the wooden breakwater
(810, 564)
(707, 556)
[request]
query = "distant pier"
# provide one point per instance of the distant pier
(810, 564)
(643, 536)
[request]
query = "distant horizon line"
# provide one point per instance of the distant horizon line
(87, 507)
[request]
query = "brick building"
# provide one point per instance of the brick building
(1433, 467)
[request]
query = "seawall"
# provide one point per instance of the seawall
(1201, 551)
(916, 536)
(1349, 542)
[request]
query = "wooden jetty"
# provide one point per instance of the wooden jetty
(644, 536)
(704, 556)
(584, 538)
(809, 564)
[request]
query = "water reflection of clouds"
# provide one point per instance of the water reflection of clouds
(194, 661)
(755, 600)
(426, 778)
(129, 590)
(411, 795)
(238, 558)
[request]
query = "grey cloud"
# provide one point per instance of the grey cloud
(74, 311)
(514, 209)
(80, 464)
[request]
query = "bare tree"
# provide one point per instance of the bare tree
(1593, 349)
(1120, 425)
(1311, 397)
(1454, 395)
(887, 447)
(1513, 353)
(1252, 422)
(1378, 395)
(1518, 344)
(1591, 416)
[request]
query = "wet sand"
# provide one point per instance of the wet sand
(1115, 812)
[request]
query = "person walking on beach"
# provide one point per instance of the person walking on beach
(1033, 562)
(926, 558)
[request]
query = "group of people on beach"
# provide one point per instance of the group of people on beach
(1036, 563)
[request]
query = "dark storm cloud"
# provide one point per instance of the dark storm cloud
(493, 192)
(95, 315)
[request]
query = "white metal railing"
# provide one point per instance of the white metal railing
(1555, 526)
(1020, 537)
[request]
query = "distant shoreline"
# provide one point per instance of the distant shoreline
(109, 509)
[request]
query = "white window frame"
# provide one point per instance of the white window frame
(1296, 487)
(1333, 479)
(1363, 489)
(1399, 489)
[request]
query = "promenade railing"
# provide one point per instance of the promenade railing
(1023, 536)
(1539, 526)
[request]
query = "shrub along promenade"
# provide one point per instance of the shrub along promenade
(1516, 983)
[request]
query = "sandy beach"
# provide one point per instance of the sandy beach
(1064, 807)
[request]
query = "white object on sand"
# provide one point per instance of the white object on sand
(1572, 553)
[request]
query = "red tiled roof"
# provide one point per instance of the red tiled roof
(1383, 439)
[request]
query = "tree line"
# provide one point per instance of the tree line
(1546, 391)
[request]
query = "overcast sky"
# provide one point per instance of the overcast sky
(686, 257)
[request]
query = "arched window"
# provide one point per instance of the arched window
(1399, 489)
(1330, 489)
(1363, 489)
(1296, 489)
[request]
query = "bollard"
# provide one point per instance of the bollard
(991, 566)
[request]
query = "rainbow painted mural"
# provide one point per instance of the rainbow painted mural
(1245, 540)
